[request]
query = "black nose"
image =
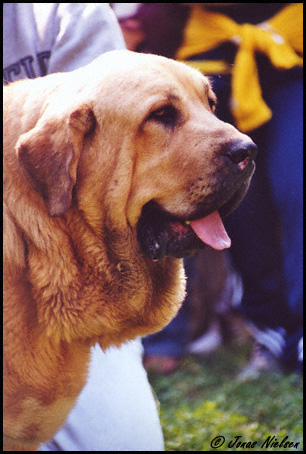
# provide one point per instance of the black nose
(240, 150)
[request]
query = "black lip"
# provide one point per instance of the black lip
(161, 233)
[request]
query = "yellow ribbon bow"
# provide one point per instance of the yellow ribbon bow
(280, 39)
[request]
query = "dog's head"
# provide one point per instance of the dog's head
(132, 140)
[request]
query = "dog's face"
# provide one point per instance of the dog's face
(139, 146)
(171, 160)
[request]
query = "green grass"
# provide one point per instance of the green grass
(203, 400)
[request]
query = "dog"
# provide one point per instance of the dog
(113, 173)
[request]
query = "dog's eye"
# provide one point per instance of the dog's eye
(212, 103)
(166, 115)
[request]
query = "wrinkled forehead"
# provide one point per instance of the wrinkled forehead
(136, 65)
(169, 79)
(141, 78)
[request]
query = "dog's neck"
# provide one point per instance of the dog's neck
(100, 277)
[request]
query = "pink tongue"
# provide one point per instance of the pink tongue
(211, 231)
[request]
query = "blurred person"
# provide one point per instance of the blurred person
(260, 48)
(116, 409)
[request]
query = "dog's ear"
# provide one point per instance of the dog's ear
(49, 153)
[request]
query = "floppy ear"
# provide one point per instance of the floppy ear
(50, 152)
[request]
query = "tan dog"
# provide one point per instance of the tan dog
(103, 167)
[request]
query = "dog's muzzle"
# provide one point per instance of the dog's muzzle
(161, 233)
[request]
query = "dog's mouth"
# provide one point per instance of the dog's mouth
(161, 234)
